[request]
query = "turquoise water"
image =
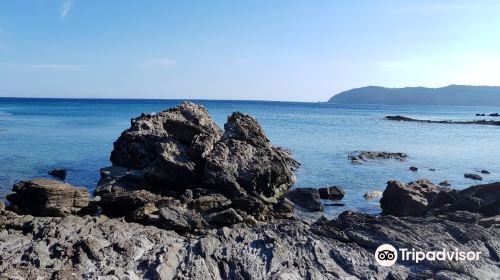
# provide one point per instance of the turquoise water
(39, 134)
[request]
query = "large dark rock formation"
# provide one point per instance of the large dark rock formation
(169, 147)
(424, 198)
(181, 154)
(45, 197)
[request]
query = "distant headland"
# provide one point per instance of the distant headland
(453, 95)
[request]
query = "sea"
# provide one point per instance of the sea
(37, 135)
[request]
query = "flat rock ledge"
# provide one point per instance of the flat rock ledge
(407, 119)
(88, 247)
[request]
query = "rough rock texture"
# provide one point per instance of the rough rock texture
(334, 192)
(473, 176)
(58, 173)
(182, 154)
(410, 199)
(424, 198)
(45, 197)
(168, 146)
(359, 156)
(372, 194)
(100, 248)
(307, 198)
(406, 119)
(245, 163)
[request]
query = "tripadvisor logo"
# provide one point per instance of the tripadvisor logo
(387, 255)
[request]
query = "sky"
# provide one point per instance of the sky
(254, 50)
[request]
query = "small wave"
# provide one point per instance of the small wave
(2, 113)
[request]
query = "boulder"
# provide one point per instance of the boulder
(168, 146)
(413, 168)
(116, 179)
(210, 203)
(58, 173)
(245, 163)
(115, 204)
(334, 193)
(225, 218)
(494, 115)
(181, 219)
(473, 176)
(412, 199)
(484, 171)
(2, 206)
(372, 195)
(307, 198)
(46, 197)
(444, 183)
(420, 197)
(483, 198)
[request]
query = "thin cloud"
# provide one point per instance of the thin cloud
(159, 62)
(35, 66)
(65, 8)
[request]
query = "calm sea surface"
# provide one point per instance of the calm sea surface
(39, 134)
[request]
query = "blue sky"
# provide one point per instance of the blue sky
(264, 50)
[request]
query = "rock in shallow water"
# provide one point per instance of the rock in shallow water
(360, 156)
(422, 197)
(45, 197)
(58, 173)
(307, 198)
(334, 193)
(473, 176)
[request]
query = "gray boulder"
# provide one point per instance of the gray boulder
(45, 197)
(168, 146)
(245, 163)
(307, 198)
(181, 220)
(412, 199)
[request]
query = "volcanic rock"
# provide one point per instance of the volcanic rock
(360, 156)
(45, 197)
(307, 198)
(473, 176)
(334, 193)
(58, 173)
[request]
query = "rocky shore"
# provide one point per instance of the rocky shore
(186, 199)
(406, 119)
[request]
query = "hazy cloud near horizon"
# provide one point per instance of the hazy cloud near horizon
(267, 50)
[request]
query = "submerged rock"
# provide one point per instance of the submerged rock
(45, 197)
(473, 176)
(484, 171)
(413, 168)
(58, 173)
(307, 198)
(444, 183)
(360, 156)
(372, 195)
(334, 193)
(406, 119)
